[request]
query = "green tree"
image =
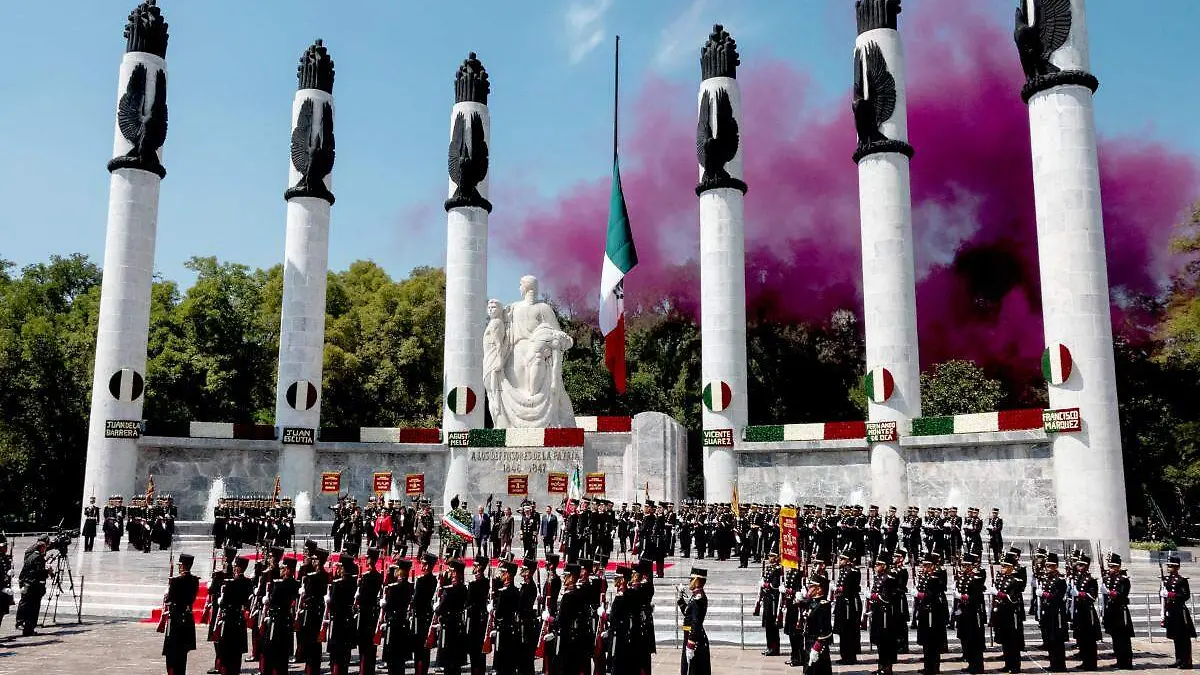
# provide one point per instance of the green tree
(959, 387)
(1180, 329)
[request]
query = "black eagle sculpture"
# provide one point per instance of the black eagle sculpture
(716, 149)
(312, 152)
(143, 123)
(1043, 27)
(467, 159)
(874, 94)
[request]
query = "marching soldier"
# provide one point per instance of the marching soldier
(312, 611)
(818, 628)
(768, 598)
(995, 533)
(899, 573)
(341, 634)
(1008, 613)
(479, 592)
(1175, 593)
(883, 607)
(930, 614)
(114, 523)
(622, 625)
(1085, 622)
(891, 530)
(1117, 621)
(277, 635)
(424, 589)
(792, 604)
(643, 579)
(395, 628)
(366, 603)
(573, 626)
(528, 615)
(507, 623)
(972, 530)
(696, 658)
(179, 633)
(848, 608)
(91, 522)
(1052, 614)
(972, 615)
(873, 532)
(231, 624)
(450, 612)
(212, 605)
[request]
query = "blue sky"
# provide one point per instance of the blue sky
(232, 77)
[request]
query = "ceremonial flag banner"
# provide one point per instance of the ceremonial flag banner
(789, 539)
(383, 481)
(594, 484)
(414, 484)
(331, 481)
(518, 485)
(556, 483)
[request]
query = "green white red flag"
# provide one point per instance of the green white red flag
(620, 257)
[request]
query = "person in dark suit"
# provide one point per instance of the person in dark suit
(179, 634)
(548, 531)
(481, 530)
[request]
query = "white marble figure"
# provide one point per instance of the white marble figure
(523, 353)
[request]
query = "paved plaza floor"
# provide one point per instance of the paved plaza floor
(130, 648)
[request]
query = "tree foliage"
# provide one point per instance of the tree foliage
(958, 388)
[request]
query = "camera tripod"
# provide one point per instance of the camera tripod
(62, 564)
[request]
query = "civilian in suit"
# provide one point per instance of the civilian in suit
(548, 531)
(481, 529)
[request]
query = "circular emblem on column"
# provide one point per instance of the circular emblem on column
(1057, 364)
(879, 385)
(717, 396)
(461, 400)
(126, 385)
(302, 395)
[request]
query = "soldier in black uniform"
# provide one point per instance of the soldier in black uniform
(930, 614)
(530, 619)
(883, 608)
(114, 523)
(451, 617)
(1085, 621)
(395, 627)
(972, 619)
(529, 531)
(366, 602)
(212, 604)
(1008, 613)
(573, 626)
(768, 598)
(848, 608)
(899, 573)
(179, 633)
(873, 533)
(312, 611)
(687, 524)
(506, 619)
(91, 522)
(1175, 593)
(1117, 621)
(277, 631)
(341, 630)
(479, 592)
(972, 532)
(792, 602)
(818, 628)
(622, 625)
(696, 658)
(890, 531)
(424, 589)
(643, 583)
(995, 533)
(231, 645)
(1052, 614)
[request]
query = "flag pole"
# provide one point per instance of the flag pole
(616, 93)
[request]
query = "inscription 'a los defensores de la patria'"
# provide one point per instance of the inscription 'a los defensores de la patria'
(529, 460)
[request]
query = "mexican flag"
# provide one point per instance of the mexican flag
(619, 257)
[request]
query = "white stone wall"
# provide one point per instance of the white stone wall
(889, 278)
(124, 321)
(302, 319)
(723, 306)
(466, 291)
(1090, 479)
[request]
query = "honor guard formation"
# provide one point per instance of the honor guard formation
(147, 520)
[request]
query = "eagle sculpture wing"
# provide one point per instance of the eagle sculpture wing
(703, 126)
(882, 84)
(323, 150)
(156, 123)
(302, 137)
(859, 94)
(454, 157)
(129, 108)
(479, 148)
(327, 127)
(1053, 24)
(727, 129)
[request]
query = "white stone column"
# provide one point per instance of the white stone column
(124, 322)
(467, 209)
(885, 209)
(722, 263)
(305, 267)
(1089, 478)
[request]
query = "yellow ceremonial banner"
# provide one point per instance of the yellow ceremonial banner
(789, 539)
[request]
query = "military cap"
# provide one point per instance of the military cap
(930, 559)
(242, 562)
(230, 553)
(404, 564)
(457, 565)
(310, 545)
(1010, 560)
(289, 563)
(1052, 559)
(995, 509)
(186, 559)
(699, 573)
(277, 552)
(586, 563)
(571, 569)
(970, 558)
(1083, 559)
(645, 566)
(372, 553)
(624, 572)
(1173, 561)
(649, 502)
(482, 561)
(430, 559)
(321, 554)
(531, 564)
(552, 560)
(603, 562)
(1114, 559)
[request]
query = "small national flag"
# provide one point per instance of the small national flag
(461, 400)
(575, 490)
(1056, 364)
(717, 396)
(620, 256)
(879, 385)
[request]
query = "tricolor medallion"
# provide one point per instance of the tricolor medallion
(717, 396)
(1057, 364)
(301, 395)
(879, 385)
(461, 400)
(126, 385)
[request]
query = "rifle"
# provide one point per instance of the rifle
(544, 605)
(164, 619)
(491, 624)
(1162, 602)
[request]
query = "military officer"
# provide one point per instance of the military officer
(693, 604)
(848, 608)
(972, 615)
(276, 645)
(395, 628)
(1117, 621)
(768, 598)
(929, 611)
(1175, 593)
(818, 627)
(366, 602)
(1052, 614)
(341, 633)
(883, 607)
(1008, 612)
(1085, 621)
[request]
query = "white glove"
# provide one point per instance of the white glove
(545, 615)
(600, 612)
(813, 656)
(690, 653)
(491, 607)
(1162, 592)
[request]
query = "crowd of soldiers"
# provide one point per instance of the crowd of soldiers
(148, 520)
(299, 609)
(389, 525)
(258, 521)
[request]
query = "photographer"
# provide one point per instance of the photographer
(34, 573)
